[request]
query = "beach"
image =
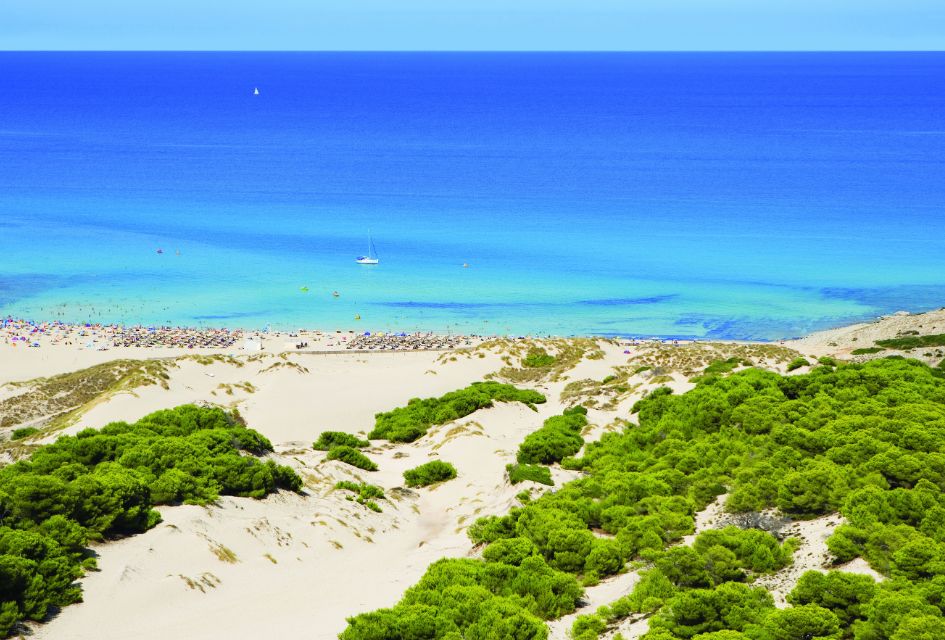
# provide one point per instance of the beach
(299, 564)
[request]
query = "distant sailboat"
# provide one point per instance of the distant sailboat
(256, 91)
(371, 257)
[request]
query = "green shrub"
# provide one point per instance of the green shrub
(365, 494)
(535, 473)
(512, 551)
(827, 361)
(913, 342)
(330, 439)
(23, 432)
(863, 351)
(866, 440)
(103, 483)
(429, 473)
(352, 456)
(559, 438)
(538, 358)
(406, 424)
(797, 363)
(719, 367)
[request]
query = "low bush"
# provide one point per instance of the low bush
(864, 351)
(364, 493)
(406, 424)
(350, 455)
(429, 473)
(328, 440)
(23, 432)
(797, 363)
(538, 358)
(559, 438)
(719, 367)
(534, 472)
(913, 342)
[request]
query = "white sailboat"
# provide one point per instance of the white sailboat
(371, 257)
(256, 91)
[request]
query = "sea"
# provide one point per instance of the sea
(705, 195)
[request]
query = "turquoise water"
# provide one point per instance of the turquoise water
(709, 195)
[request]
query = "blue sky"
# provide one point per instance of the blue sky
(473, 24)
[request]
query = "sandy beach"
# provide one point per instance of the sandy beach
(298, 565)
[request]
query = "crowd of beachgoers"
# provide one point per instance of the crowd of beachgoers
(26, 333)
(413, 341)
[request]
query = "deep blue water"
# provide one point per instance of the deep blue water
(718, 195)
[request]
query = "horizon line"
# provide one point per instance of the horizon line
(576, 51)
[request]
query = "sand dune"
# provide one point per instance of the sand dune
(297, 565)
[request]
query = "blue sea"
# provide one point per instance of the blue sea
(748, 195)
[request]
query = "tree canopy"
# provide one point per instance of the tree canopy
(866, 440)
(105, 482)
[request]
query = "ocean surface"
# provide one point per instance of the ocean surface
(711, 195)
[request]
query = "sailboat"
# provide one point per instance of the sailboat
(371, 257)
(256, 91)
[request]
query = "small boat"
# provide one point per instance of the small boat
(357, 317)
(335, 294)
(160, 250)
(371, 257)
(303, 289)
(465, 265)
(256, 91)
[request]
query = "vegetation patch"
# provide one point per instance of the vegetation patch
(331, 439)
(538, 358)
(364, 494)
(533, 472)
(538, 364)
(865, 351)
(406, 424)
(62, 398)
(429, 473)
(23, 432)
(103, 483)
(797, 363)
(350, 455)
(905, 343)
(559, 438)
(866, 440)
(693, 358)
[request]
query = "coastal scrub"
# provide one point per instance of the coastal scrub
(331, 439)
(865, 440)
(406, 424)
(429, 473)
(350, 455)
(103, 483)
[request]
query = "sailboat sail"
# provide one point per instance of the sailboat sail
(371, 257)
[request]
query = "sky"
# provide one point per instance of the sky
(491, 25)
